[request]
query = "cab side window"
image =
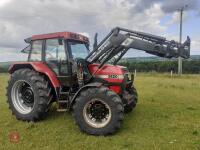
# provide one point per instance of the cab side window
(36, 51)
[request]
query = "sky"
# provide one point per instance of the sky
(20, 19)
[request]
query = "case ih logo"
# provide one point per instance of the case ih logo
(14, 137)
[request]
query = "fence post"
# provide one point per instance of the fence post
(135, 73)
(171, 73)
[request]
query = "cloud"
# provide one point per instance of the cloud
(175, 19)
(168, 6)
(21, 19)
(3, 2)
(10, 54)
(195, 45)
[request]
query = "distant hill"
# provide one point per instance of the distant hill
(4, 66)
(132, 60)
(154, 59)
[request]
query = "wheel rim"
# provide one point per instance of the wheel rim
(22, 97)
(97, 113)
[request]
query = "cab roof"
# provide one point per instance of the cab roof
(65, 35)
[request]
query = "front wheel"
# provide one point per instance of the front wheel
(98, 111)
(130, 106)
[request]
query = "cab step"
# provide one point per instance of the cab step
(61, 110)
(63, 105)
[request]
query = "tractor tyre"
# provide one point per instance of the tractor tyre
(98, 111)
(129, 107)
(29, 95)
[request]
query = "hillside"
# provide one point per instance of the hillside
(155, 58)
(4, 66)
(146, 64)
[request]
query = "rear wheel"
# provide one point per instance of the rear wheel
(98, 111)
(28, 95)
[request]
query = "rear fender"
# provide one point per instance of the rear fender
(39, 67)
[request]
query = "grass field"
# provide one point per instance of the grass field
(166, 117)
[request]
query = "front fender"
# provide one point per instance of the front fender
(94, 84)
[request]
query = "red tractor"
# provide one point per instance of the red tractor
(60, 68)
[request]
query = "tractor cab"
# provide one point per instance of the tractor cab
(58, 51)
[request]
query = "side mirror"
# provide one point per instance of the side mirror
(95, 41)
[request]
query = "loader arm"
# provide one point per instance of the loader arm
(120, 40)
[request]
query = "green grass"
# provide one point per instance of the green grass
(166, 117)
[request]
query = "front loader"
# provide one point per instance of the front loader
(61, 69)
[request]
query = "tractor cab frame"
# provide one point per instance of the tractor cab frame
(58, 51)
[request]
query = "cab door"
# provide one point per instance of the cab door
(57, 59)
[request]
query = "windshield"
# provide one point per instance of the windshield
(78, 50)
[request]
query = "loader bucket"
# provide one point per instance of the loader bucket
(184, 50)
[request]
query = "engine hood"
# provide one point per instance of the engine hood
(110, 73)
